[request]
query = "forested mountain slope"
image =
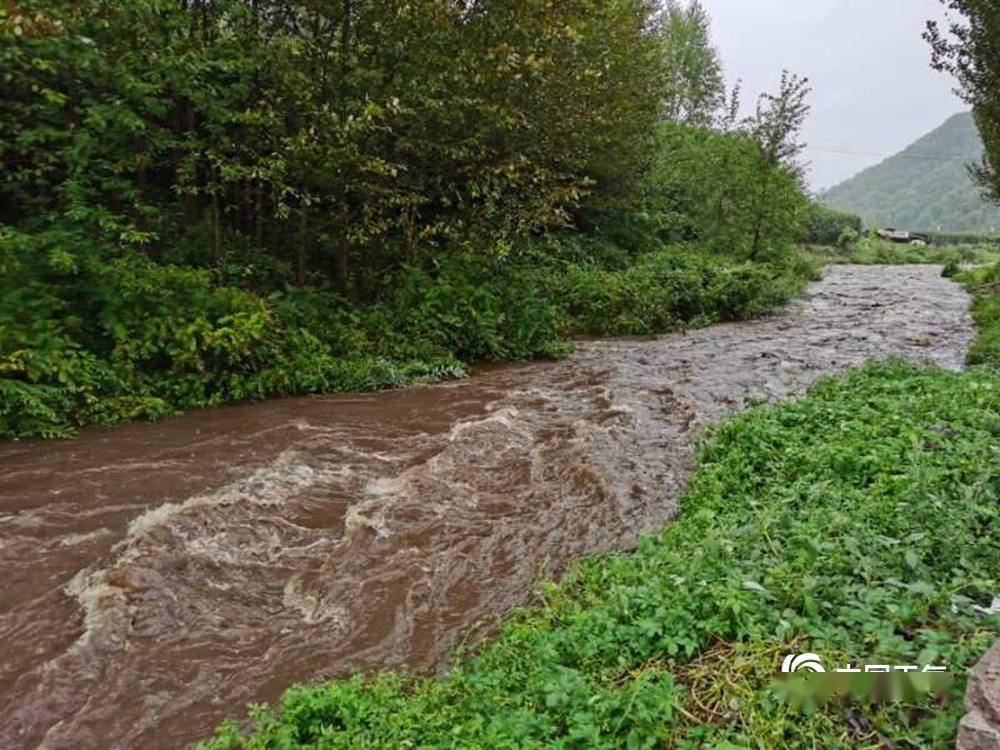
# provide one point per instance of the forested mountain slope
(924, 187)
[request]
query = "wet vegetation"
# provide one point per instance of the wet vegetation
(984, 283)
(826, 227)
(853, 524)
(171, 339)
(209, 201)
(873, 251)
(206, 202)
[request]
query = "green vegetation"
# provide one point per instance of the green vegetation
(874, 251)
(98, 342)
(854, 524)
(969, 49)
(984, 283)
(824, 226)
(206, 202)
(961, 238)
(926, 187)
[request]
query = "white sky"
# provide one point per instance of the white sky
(874, 91)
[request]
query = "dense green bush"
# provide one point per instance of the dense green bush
(873, 251)
(721, 189)
(322, 134)
(672, 289)
(855, 524)
(984, 282)
(116, 338)
(204, 202)
(826, 226)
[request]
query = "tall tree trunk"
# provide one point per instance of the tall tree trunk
(410, 232)
(345, 36)
(216, 224)
(343, 260)
(185, 122)
(301, 249)
(258, 214)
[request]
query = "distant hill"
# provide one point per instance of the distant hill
(924, 187)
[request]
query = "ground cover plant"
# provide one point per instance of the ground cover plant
(873, 251)
(984, 283)
(854, 523)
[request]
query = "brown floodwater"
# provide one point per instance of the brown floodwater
(158, 577)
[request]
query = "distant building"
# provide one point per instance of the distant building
(902, 237)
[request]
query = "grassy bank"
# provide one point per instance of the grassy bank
(118, 338)
(854, 523)
(878, 252)
(984, 283)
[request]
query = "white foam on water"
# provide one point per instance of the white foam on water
(311, 605)
(100, 590)
(508, 418)
(105, 612)
(368, 516)
(268, 486)
(72, 540)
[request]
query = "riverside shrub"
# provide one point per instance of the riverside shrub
(869, 251)
(204, 202)
(121, 337)
(984, 283)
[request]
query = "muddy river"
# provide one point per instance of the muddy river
(158, 577)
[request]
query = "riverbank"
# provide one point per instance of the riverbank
(984, 283)
(150, 341)
(869, 251)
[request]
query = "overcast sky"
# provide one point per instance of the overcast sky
(874, 90)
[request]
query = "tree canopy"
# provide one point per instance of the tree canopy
(321, 130)
(968, 47)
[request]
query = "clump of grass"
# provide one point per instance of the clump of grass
(870, 251)
(858, 523)
(984, 283)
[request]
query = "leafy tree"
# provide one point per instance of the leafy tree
(776, 186)
(826, 226)
(214, 200)
(695, 86)
(969, 49)
(777, 123)
(324, 131)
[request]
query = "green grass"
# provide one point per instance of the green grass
(878, 252)
(984, 283)
(858, 523)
